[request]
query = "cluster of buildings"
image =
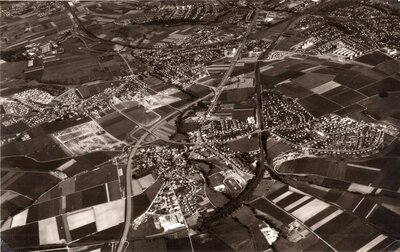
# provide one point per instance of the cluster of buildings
(345, 136)
(183, 192)
(225, 130)
(42, 22)
(282, 112)
(193, 12)
(35, 96)
(70, 105)
(15, 108)
(230, 159)
(328, 135)
(43, 8)
(348, 31)
(180, 66)
(43, 50)
(238, 16)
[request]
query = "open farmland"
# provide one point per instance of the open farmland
(42, 148)
(77, 65)
(117, 125)
(29, 184)
(138, 113)
(192, 125)
(382, 108)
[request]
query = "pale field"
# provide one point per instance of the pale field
(325, 87)
(109, 214)
(48, 232)
(80, 218)
(19, 219)
(310, 209)
(363, 189)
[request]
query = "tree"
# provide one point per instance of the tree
(383, 94)
(14, 55)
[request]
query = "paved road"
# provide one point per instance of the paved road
(128, 210)
(228, 73)
(218, 89)
(262, 135)
(128, 186)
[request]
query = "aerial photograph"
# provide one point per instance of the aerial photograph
(200, 125)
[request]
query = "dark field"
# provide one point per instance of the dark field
(335, 91)
(86, 198)
(83, 231)
(14, 128)
(360, 81)
(181, 244)
(141, 202)
(86, 91)
(44, 210)
(385, 85)
(198, 90)
(290, 74)
(269, 81)
(374, 58)
(237, 95)
(117, 125)
(148, 245)
(274, 148)
(318, 106)
(140, 115)
(30, 184)
(13, 205)
(313, 80)
(293, 90)
(233, 234)
(380, 108)
(99, 176)
(17, 148)
(19, 237)
(188, 127)
(212, 243)
(348, 98)
(244, 144)
(388, 67)
(50, 151)
(270, 209)
(389, 170)
(30, 164)
(89, 161)
(386, 220)
(113, 233)
(167, 109)
(345, 77)
(242, 114)
(346, 233)
(217, 199)
(349, 110)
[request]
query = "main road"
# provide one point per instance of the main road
(128, 172)
(128, 187)
(228, 73)
(262, 140)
